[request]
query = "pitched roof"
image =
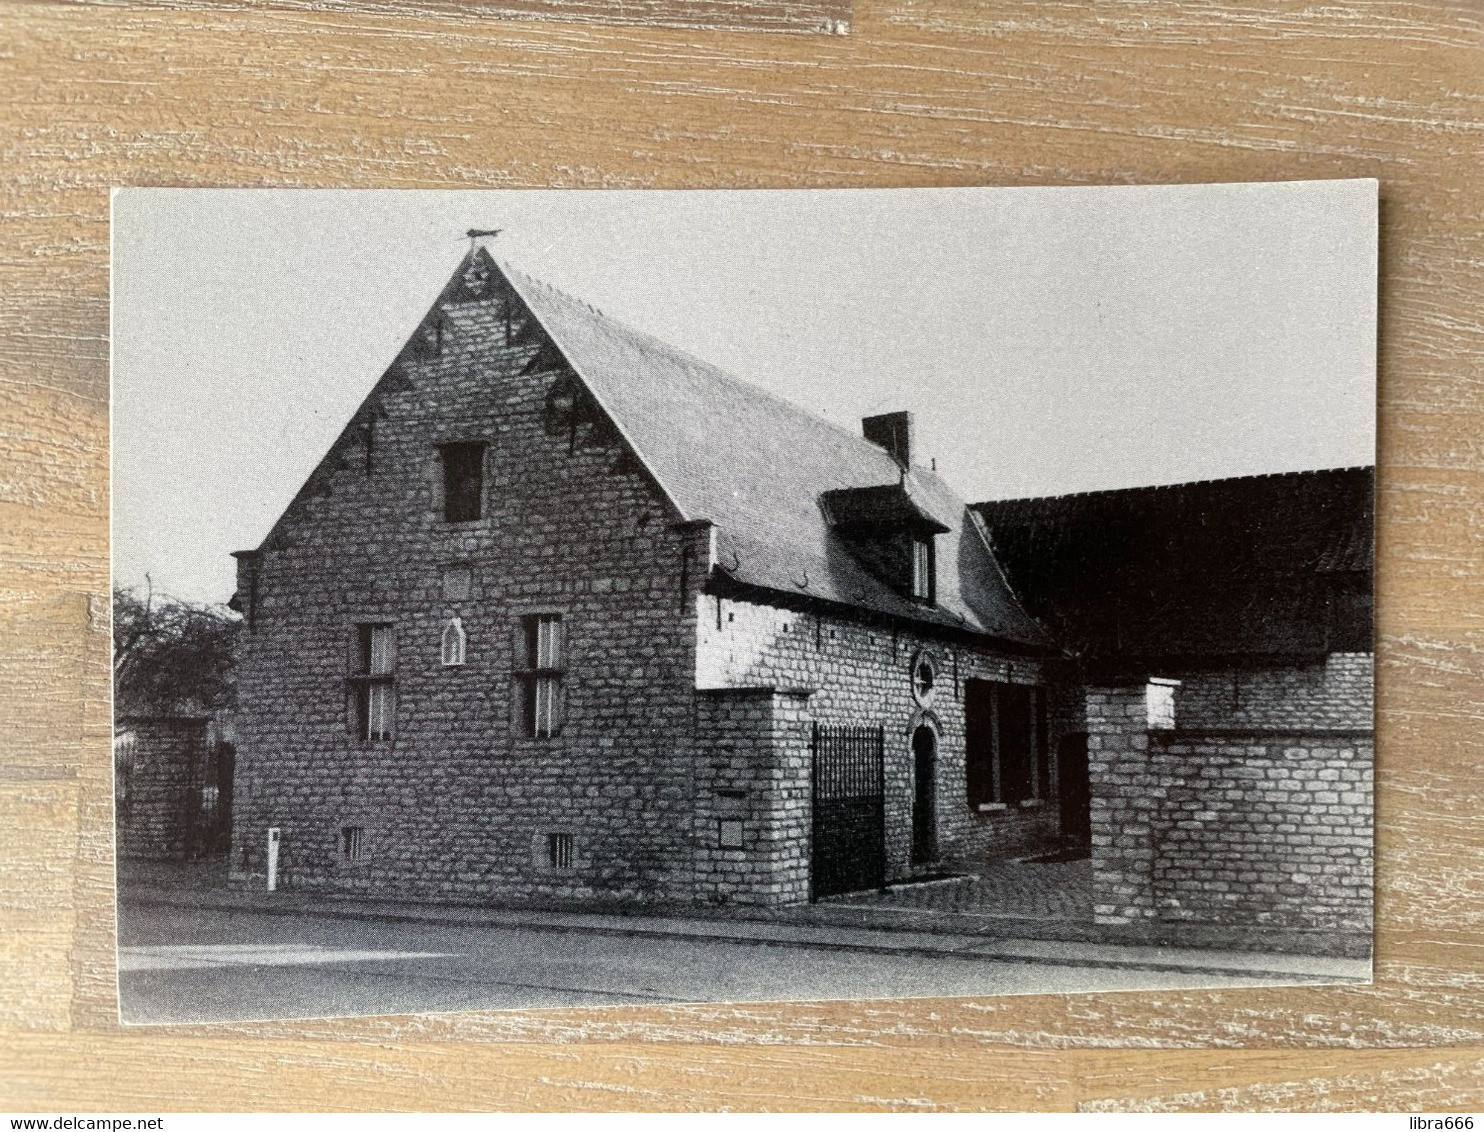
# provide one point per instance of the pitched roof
(1255, 566)
(757, 467)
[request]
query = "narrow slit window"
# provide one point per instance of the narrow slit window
(352, 842)
(124, 745)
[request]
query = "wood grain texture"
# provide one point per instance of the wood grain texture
(828, 16)
(949, 92)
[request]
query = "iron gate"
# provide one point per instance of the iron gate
(849, 786)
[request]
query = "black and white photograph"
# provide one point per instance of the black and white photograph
(540, 599)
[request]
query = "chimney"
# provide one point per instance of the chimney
(892, 431)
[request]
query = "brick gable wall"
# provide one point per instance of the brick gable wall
(458, 805)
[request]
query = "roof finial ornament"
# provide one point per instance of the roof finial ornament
(477, 273)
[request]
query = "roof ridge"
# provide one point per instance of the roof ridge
(715, 370)
(1176, 484)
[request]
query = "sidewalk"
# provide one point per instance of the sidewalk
(839, 926)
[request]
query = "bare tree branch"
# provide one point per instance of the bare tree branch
(171, 657)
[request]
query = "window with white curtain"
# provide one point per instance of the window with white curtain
(375, 662)
(541, 673)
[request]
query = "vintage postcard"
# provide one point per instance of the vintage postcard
(532, 599)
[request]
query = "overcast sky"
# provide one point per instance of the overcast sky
(1047, 340)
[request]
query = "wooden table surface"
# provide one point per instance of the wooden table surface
(897, 92)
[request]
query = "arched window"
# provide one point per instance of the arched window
(453, 642)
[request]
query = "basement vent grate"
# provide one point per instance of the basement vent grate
(560, 850)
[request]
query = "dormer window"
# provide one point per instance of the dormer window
(890, 533)
(923, 581)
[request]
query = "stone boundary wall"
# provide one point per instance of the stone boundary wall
(1265, 830)
(156, 774)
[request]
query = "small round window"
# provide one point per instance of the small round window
(924, 677)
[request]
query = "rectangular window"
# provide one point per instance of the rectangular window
(542, 666)
(463, 481)
(1005, 742)
(922, 569)
(371, 680)
(979, 754)
(1017, 732)
(377, 649)
(352, 842)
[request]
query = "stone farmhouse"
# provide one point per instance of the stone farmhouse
(569, 615)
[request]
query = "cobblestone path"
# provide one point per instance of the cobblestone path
(1034, 890)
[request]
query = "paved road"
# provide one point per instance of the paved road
(180, 965)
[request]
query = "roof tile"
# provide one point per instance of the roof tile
(757, 467)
